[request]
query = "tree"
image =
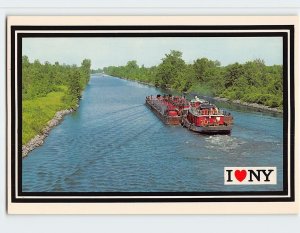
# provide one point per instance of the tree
(254, 72)
(74, 87)
(170, 69)
(232, 73)
(204, 67)
(86, 68)
(132, 65)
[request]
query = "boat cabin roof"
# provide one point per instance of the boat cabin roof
(199, 101)
(207, 106)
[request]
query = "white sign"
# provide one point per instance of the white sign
(250, 175)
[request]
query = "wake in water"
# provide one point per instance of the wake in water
(223, 143)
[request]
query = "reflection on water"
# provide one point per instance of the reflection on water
(114, 143)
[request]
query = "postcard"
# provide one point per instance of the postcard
(152, 115)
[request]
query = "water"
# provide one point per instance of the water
(114, 143)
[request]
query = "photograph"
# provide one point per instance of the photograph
(151, 113)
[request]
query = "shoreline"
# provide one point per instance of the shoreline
(137, 81)
(252, 105)
(38, 140)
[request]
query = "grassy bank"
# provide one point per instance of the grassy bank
(37, 112)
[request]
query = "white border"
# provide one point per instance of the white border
(128, 21)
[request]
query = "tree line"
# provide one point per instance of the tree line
(252, 82)
(40, 79)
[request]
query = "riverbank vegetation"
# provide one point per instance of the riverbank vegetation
(252, 82)
(48, 88)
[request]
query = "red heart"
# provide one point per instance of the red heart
(240, 175)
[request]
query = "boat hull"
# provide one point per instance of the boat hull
(218, 129)
(168, 120)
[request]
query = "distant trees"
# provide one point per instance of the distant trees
(133, 71)
(251, 82)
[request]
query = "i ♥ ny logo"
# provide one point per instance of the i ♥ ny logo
(250, 175)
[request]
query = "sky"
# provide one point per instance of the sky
(149, 51)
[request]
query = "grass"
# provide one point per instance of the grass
(37, 112)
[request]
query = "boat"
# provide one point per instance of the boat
(168, 108)
(204, 117)
(197, 115)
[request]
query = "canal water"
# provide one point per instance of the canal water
(114, 143)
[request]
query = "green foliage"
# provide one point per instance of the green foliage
(48, 88)
(170, 73)
(97, 71)
(205, 68)
(86, 70)
(252, 82)
(133, 71)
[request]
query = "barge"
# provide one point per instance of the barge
(196, 115)
(169, 109)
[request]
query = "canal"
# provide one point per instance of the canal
(114, 143)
